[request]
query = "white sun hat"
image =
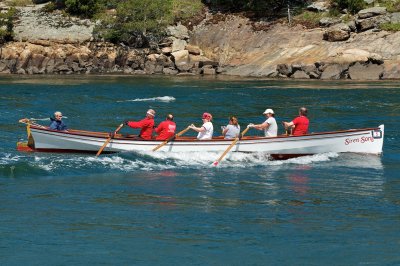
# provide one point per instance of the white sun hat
(268, 111)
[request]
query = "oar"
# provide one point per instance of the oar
(171, 138)
(108, 140)
(230, 147)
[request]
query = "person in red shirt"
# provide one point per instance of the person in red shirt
(166, 129)
(299, 125)
(146, 125)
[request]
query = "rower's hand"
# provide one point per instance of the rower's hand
(250, 125)
(23, 120)
(191, 126)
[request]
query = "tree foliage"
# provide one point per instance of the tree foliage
(134, 19)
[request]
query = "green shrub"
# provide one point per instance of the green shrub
(390, 26)
(6, 25)
(184, 9)
(353, 6)
(49, 7)
(82, 8)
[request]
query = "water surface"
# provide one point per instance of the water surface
(163, 208)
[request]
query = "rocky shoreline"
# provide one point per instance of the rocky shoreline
(356, 50)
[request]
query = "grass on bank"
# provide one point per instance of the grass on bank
(309, 19)
(391, 5)
(15, 3)
(390, 26)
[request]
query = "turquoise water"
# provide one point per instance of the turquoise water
(169, 209)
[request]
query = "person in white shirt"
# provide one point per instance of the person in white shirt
(206, 130)
(269, 126)
(232, 130)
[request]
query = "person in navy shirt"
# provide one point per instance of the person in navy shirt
(57, 123)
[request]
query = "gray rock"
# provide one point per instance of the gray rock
(352, 25)
(334, 71)
(284, 69)
(179, 31)
(370, 23)
(391, 72)
(178, 45)
(181, 59)
(21, 71)
(370, 71)
(209, 71)
(170, 71)
(195, 50)
(320, 6)
(339, 32)
(395, 17)
(3, 66)
(139, 72)
(327, 22)
(220, 70)
(149, 67)
(371, 12)
(299, 74)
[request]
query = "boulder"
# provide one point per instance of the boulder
(395, 17)
(371, 12)
(334, 71)
(178, 45)
(194, 50)
(359, 55)
(166, 50)
(208, 70)
(284, 69)
(391, 71)
(36, 61)
(299, 74)
(179, 31)
(327, 22)
(369, 71)
(339, 32)
(320, 6)
(366, 24)
(170, 71)
(181, 60)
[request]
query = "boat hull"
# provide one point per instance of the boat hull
(369, 140)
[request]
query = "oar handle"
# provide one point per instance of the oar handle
(171, 138)
(108, 140)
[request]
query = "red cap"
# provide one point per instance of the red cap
(207, 115)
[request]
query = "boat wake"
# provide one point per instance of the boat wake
(165, 99)
(67, 164)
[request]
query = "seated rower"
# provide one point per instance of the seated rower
(206, 130)
(166, 129)
(269, 126)
(299, 125)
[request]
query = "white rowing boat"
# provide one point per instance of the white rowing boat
(366, 140)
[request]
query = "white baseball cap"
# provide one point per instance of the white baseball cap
(268, 111)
